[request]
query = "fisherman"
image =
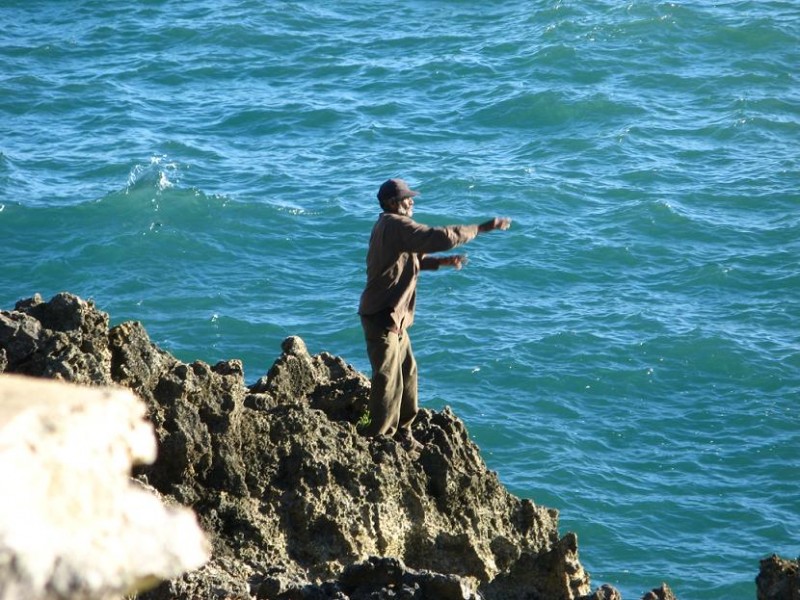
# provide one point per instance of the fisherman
(399, 248)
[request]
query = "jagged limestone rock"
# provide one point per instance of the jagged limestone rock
(296, 503)
(72, 522)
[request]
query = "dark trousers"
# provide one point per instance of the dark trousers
(393, 397)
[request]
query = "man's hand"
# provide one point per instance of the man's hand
(496, 223)
(454, 260)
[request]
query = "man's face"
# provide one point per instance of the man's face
(405, 207)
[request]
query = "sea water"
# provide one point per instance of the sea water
(628, 352)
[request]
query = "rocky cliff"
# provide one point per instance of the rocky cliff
(297, 504)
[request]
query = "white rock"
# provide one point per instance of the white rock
(72, 522)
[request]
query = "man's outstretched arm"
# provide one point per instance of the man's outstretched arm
(459, 260)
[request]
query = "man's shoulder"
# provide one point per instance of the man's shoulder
(400, 221)
(387, 216)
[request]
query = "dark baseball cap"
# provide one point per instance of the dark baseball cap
(395, 189)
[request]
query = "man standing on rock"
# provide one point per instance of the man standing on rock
(399, 248)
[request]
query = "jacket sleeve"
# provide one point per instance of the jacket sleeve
(428, 263)
(416, 237)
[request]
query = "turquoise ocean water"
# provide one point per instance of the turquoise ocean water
(629, 352)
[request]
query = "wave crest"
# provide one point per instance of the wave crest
(160, 173)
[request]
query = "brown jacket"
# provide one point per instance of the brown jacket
(397, 249)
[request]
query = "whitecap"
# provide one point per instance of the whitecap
(159, 173)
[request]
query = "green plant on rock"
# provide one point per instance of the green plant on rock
(364, 420)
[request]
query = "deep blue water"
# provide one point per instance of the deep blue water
(629, 352)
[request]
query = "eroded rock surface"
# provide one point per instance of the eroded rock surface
(778, 579)
(297, 503)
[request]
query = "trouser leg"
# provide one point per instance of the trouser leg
(409, 403)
